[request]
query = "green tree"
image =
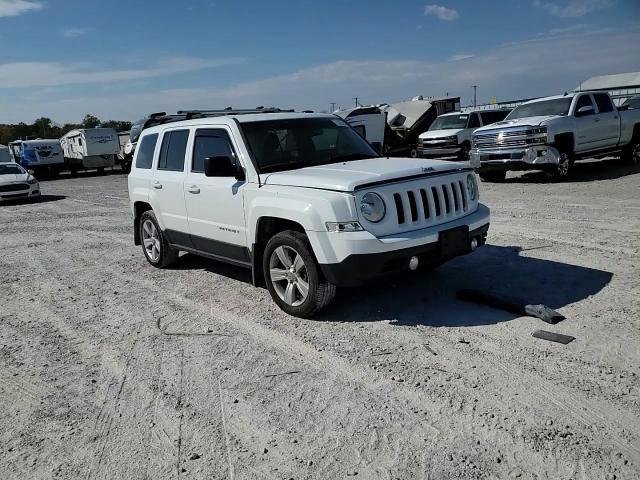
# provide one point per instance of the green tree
(90, 121)
(41, 127)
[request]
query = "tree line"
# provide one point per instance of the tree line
(45, 128)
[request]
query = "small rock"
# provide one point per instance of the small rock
(450, 457)
(310, 462)
(610, 476)
(417, 384)
(194, 456)
(235, 401)
(266, 450)
(352, 473)
(549, 423)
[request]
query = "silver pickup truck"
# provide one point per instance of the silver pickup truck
(552, 133)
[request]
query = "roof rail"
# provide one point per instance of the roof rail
(230, 111)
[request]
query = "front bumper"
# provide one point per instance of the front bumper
(431, 152)
(531, 158)
(33, 192)
(359, 269)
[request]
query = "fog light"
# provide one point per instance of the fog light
(413, 263)
(474, 244)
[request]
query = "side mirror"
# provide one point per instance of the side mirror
(584, 111)
(223, 166)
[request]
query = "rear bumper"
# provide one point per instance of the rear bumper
(359, 269)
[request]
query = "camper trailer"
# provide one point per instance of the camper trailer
(90, 148)
(41, 155)
(369, 122)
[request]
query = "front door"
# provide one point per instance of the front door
(215, 204)
(587, 126)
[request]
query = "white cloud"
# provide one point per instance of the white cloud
(443, 13)
(47, 74)
(573, 8)
(12, 8)
(74, 32)
(509, 72)
(462, 56)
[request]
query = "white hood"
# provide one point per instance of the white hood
(518, 122)
(347, 176)
(449, 132)
(12, 178)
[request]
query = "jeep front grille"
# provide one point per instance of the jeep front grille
(431, 205)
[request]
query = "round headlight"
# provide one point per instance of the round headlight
(472, 187)
(372, 207)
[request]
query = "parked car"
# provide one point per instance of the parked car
(630, 103)
(552, 133)
(42, 156)
(89, 148)
(301, 200)
(16, 183)
(450, 134)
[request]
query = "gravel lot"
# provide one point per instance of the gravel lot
(110, 369)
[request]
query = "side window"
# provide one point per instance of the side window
(210, 143)
(492, 117)
(174, 148)
(583, 101)
(146, 147)
(603, 102)
(474, 121)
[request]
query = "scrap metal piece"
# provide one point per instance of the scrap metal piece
(511, 304)
(553, 337)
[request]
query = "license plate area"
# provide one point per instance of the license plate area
(454, 242)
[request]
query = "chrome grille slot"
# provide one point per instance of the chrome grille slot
(436, 200)
(447, 199)
(425, 203)
(413, 206)
(456, 198)
(399, 207)
(463, 194)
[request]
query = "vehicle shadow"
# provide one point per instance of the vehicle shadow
(583, 171)
(429, 298)
(42, 199)
(189, 261)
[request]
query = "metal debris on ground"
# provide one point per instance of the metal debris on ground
(553, 337)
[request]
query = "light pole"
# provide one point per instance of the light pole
(475, 90)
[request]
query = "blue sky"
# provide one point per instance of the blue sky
(115, 59)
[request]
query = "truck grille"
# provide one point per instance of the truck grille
(514, 138)
(14, 187)
(430, 205)
(438, 143)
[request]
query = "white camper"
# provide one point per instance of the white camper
(89, 148)
(369, 122)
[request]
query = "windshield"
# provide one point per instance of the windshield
(11, 170)
(557, 106)
(450, 121)
(633, 102)
(289, 144)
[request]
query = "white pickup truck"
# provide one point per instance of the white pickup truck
(300, 199)
(551, 133)
(450, 135)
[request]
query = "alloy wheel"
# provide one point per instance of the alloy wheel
(289, 275)
(151, 240)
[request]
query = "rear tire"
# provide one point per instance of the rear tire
(631, 154)
(293, 276)
(493, 176)
(155, 247)
(101, 171)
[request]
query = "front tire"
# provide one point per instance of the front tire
(293, 276)
(156, 249)
(564, 169)
(631, 154)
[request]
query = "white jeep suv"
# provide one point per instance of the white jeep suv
(300, 199)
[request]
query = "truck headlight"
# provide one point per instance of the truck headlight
(372, 207)
(472, 187)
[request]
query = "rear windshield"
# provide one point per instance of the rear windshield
(450, 121)
(289, 144)
(557, 106)
(11, 170)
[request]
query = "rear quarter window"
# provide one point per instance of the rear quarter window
(146, 147)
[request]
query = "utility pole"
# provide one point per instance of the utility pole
(333, 107)
(356, 99)
(475, 99)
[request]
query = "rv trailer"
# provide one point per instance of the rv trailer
(43, 156)
(90, 148)
(369, 122)
(4, 154)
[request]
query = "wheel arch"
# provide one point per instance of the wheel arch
(564, 142)
(138, 208)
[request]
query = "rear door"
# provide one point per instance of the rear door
(608, 119)
(168, 185)
(215, 204)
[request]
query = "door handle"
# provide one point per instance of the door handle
(157, 185)
(193, 189)
(597, 120)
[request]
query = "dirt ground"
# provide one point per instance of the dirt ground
(111, 369)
